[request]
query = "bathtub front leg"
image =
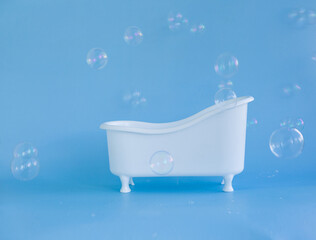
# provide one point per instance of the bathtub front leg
(131, 181)
(228, 179)
(125, 184)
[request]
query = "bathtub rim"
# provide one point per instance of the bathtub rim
(163, 128)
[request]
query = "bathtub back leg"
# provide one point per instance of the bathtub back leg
(228, 179)
(125, 180)
(223, 181)
(131, 181)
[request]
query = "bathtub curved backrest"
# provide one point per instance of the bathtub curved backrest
(161, 128)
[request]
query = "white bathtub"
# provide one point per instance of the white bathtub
(209, 143)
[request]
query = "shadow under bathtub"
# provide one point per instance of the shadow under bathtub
(177, 184)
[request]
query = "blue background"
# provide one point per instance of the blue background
(50, 97)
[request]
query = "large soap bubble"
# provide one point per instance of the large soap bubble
(226, 65)
(97, 58)
(225, 94)
(286, 142)
(133, 36)
(161, 163)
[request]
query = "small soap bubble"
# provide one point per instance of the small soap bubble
(134, 98)
(252, 122)
(197, 28)
(25, 150)
(133, 36)
(161, 163)
(225, 84)
(225, 94)
(226, 65)
(177, 21)
(301, 17)
(289, 122)
(286, 142)
(291, 90)
(97, 58)
(25, 168)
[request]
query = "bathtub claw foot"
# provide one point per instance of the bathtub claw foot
(131, 182)
(228, 179)
(223, 181)
(125, 184)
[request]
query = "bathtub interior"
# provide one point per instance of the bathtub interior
(136, 126)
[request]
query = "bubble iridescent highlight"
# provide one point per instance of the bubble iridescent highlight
(133, 36)
(134, 98)
(225, 84)
(302, 17)
(286, 143)
(226, 65)
(97, 58)
(177, 21)
(25, 150)
(25, 164)
(25, 169)
(225, 94)
(291, 90)
(161, 163)
(197, 28)
(252, 122)
(290, 122)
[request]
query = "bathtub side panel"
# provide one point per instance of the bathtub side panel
(213, 147)
(124, 153)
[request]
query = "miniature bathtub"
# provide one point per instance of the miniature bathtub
(209, 143)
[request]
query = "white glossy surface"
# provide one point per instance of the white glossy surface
(209, 143)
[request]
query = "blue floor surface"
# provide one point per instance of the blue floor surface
(268, 206)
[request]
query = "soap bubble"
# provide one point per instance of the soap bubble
(225, 84)
(302, 17)
(197, 28)
(25, 150)
(133, 36)
(225, 94)
(25, 165)
(161, 163)
(177, 21)
(252, 122)
(25, 168)
(297, 123)
(134, 98)
(226, 65)
(97, 58)
(291, 90)
(286, 142)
